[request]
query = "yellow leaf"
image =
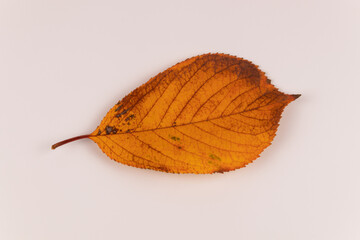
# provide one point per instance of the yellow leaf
(210, 113)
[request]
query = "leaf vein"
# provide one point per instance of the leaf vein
(172, 101)
(196, 140)
(206, 81)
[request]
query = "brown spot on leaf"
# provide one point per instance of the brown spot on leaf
(122, 113)
(223, 169)
(108, 129)
(164, 168)
(118, 108)
(130, 117)
(174, 138)
(213, 156)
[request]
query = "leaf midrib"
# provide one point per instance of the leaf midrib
(185, 124)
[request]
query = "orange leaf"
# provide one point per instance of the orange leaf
(210, 113)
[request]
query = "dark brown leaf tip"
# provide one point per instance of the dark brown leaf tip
(296, 96)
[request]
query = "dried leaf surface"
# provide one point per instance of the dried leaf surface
(210, 113)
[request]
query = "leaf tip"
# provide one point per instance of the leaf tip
(296, 96)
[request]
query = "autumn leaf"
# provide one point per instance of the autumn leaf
(209, 113)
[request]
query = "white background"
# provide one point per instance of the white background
(64, 63)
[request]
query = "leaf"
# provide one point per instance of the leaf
(210, 113)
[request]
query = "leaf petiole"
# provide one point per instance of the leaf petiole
(69, 140)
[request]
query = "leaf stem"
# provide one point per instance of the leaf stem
(69, 140)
